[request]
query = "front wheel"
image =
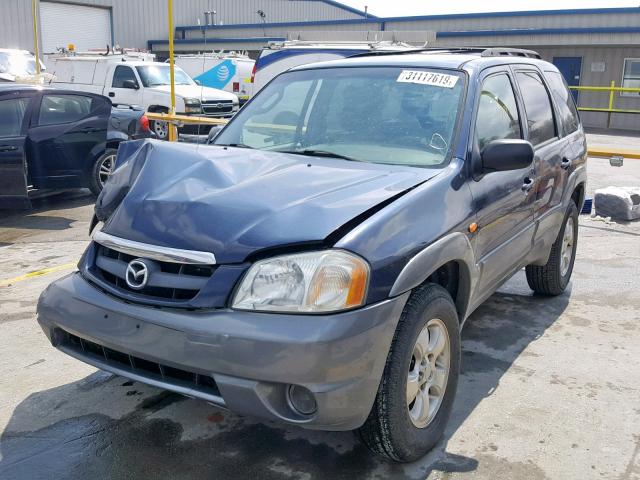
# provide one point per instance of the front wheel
(161, 129)
(553, 277)
(102, 170)
(418, 386)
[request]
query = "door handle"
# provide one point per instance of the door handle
(528, 183)
(89, 130)
(111, 94)
(8, 148)
(565, 164)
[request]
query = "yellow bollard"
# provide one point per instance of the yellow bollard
(173, 131)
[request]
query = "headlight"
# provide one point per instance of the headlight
(313, 282)
(192, 105)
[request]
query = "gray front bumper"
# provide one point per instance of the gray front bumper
(253, 357)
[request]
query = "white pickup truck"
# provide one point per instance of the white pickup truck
(135, 80)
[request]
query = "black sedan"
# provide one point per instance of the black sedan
(59, 139)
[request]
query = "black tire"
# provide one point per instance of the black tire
(161, 129)
(97, 178)
(389, 430)
(549, 279)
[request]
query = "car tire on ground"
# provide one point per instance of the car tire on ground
(101, 170)
(161, 129)
(423, 364)
(553, 277)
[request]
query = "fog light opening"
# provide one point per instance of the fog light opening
(301, 400)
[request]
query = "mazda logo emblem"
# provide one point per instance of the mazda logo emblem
(218, 105)
(137, 274)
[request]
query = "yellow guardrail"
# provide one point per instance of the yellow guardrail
(612, 89)
(176, 121)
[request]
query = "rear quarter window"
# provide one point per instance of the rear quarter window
(564, 99)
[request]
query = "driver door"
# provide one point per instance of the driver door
(504, 201)
(125, 86)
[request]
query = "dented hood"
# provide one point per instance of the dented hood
(234, 201)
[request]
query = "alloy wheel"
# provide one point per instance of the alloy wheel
(428, 373)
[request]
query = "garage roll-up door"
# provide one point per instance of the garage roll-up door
(63, 23)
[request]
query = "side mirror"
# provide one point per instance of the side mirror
(131, 84)
(198, 82)
(213, 133)
(503, 155)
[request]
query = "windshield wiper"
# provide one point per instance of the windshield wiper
(236, 145)
(321, 153)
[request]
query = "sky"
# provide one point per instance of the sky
(392, 8)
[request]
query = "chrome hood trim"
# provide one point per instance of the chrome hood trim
(154, 252)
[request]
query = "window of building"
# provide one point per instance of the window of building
(537, 106)
(497, 111)
(631, 76)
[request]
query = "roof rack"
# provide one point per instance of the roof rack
(509, 52)
(483, 51)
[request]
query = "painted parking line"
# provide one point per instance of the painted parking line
(37, 273)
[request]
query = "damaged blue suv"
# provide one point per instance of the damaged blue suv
(314, 265)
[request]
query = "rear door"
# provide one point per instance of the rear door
(13, 166)
(68, 133)
(543, 131)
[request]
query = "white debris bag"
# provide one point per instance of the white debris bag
(622, 203)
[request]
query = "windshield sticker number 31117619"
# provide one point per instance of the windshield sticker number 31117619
(428, 78)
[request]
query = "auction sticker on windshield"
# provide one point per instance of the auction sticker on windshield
(428, 78)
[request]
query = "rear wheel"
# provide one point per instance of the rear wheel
(102, 170)
(418, 386)
(553, 277)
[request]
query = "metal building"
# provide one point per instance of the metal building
(591, 47)
(132, 23)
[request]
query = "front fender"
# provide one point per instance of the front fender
(393, 236)
(454, 247)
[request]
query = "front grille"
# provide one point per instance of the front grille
(170, 281)
(144, 368)
(217, 107)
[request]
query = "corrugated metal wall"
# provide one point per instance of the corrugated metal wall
(613, 58)
(136, 21)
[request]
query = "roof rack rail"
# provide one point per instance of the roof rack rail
(483, 51)
(509, 52)
(409, 51)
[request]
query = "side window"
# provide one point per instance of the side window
(11, 116)
(497, 111)
(56, 109)
(121, 74)
(537, 107)
(564, 99)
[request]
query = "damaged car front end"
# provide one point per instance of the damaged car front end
(261, 273)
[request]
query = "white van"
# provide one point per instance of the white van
(138, 80)
(229, 71)
(310, 47)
